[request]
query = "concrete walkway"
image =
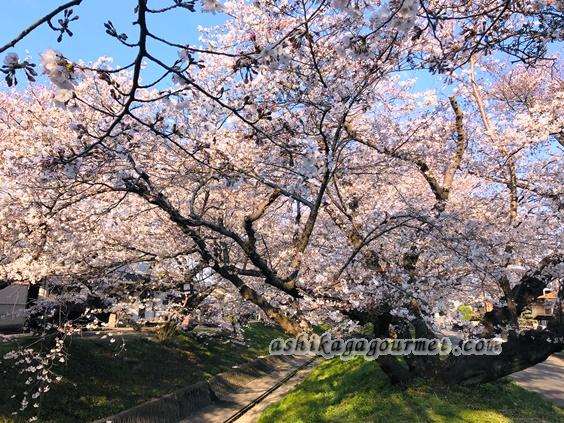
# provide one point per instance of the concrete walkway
(546, 378)
(229, 405)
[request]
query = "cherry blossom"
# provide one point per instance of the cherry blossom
(294, 168)
(211, 6)
(11, 59)
(58, 69)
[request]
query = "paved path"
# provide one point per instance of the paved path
(546, 378)
(221, 411)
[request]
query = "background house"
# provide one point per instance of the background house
(546, 306)
(13, 302)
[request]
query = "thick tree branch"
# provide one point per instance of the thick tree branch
(456, 159)
(511, 181)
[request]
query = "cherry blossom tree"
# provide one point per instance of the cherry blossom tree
(291, 159)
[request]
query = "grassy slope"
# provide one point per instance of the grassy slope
(97, 383)
(358, 391)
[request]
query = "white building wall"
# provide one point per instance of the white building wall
(12, 306)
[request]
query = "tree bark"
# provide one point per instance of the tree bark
(518, 353)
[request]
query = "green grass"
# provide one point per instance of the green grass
(97, 383)
(358, 391)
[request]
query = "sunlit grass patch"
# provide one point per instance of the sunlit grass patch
(358, 391)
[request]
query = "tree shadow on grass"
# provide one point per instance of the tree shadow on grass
(101, 379)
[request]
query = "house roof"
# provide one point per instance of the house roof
(549, 295)
(7, 283)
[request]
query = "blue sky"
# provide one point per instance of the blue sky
(90, 40)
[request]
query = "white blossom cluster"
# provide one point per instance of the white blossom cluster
(37, 368)
(61, 73)
(406, 15)
(274, 58)
(211, 6)
(11, 60)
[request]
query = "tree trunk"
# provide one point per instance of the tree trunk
(520, 351)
